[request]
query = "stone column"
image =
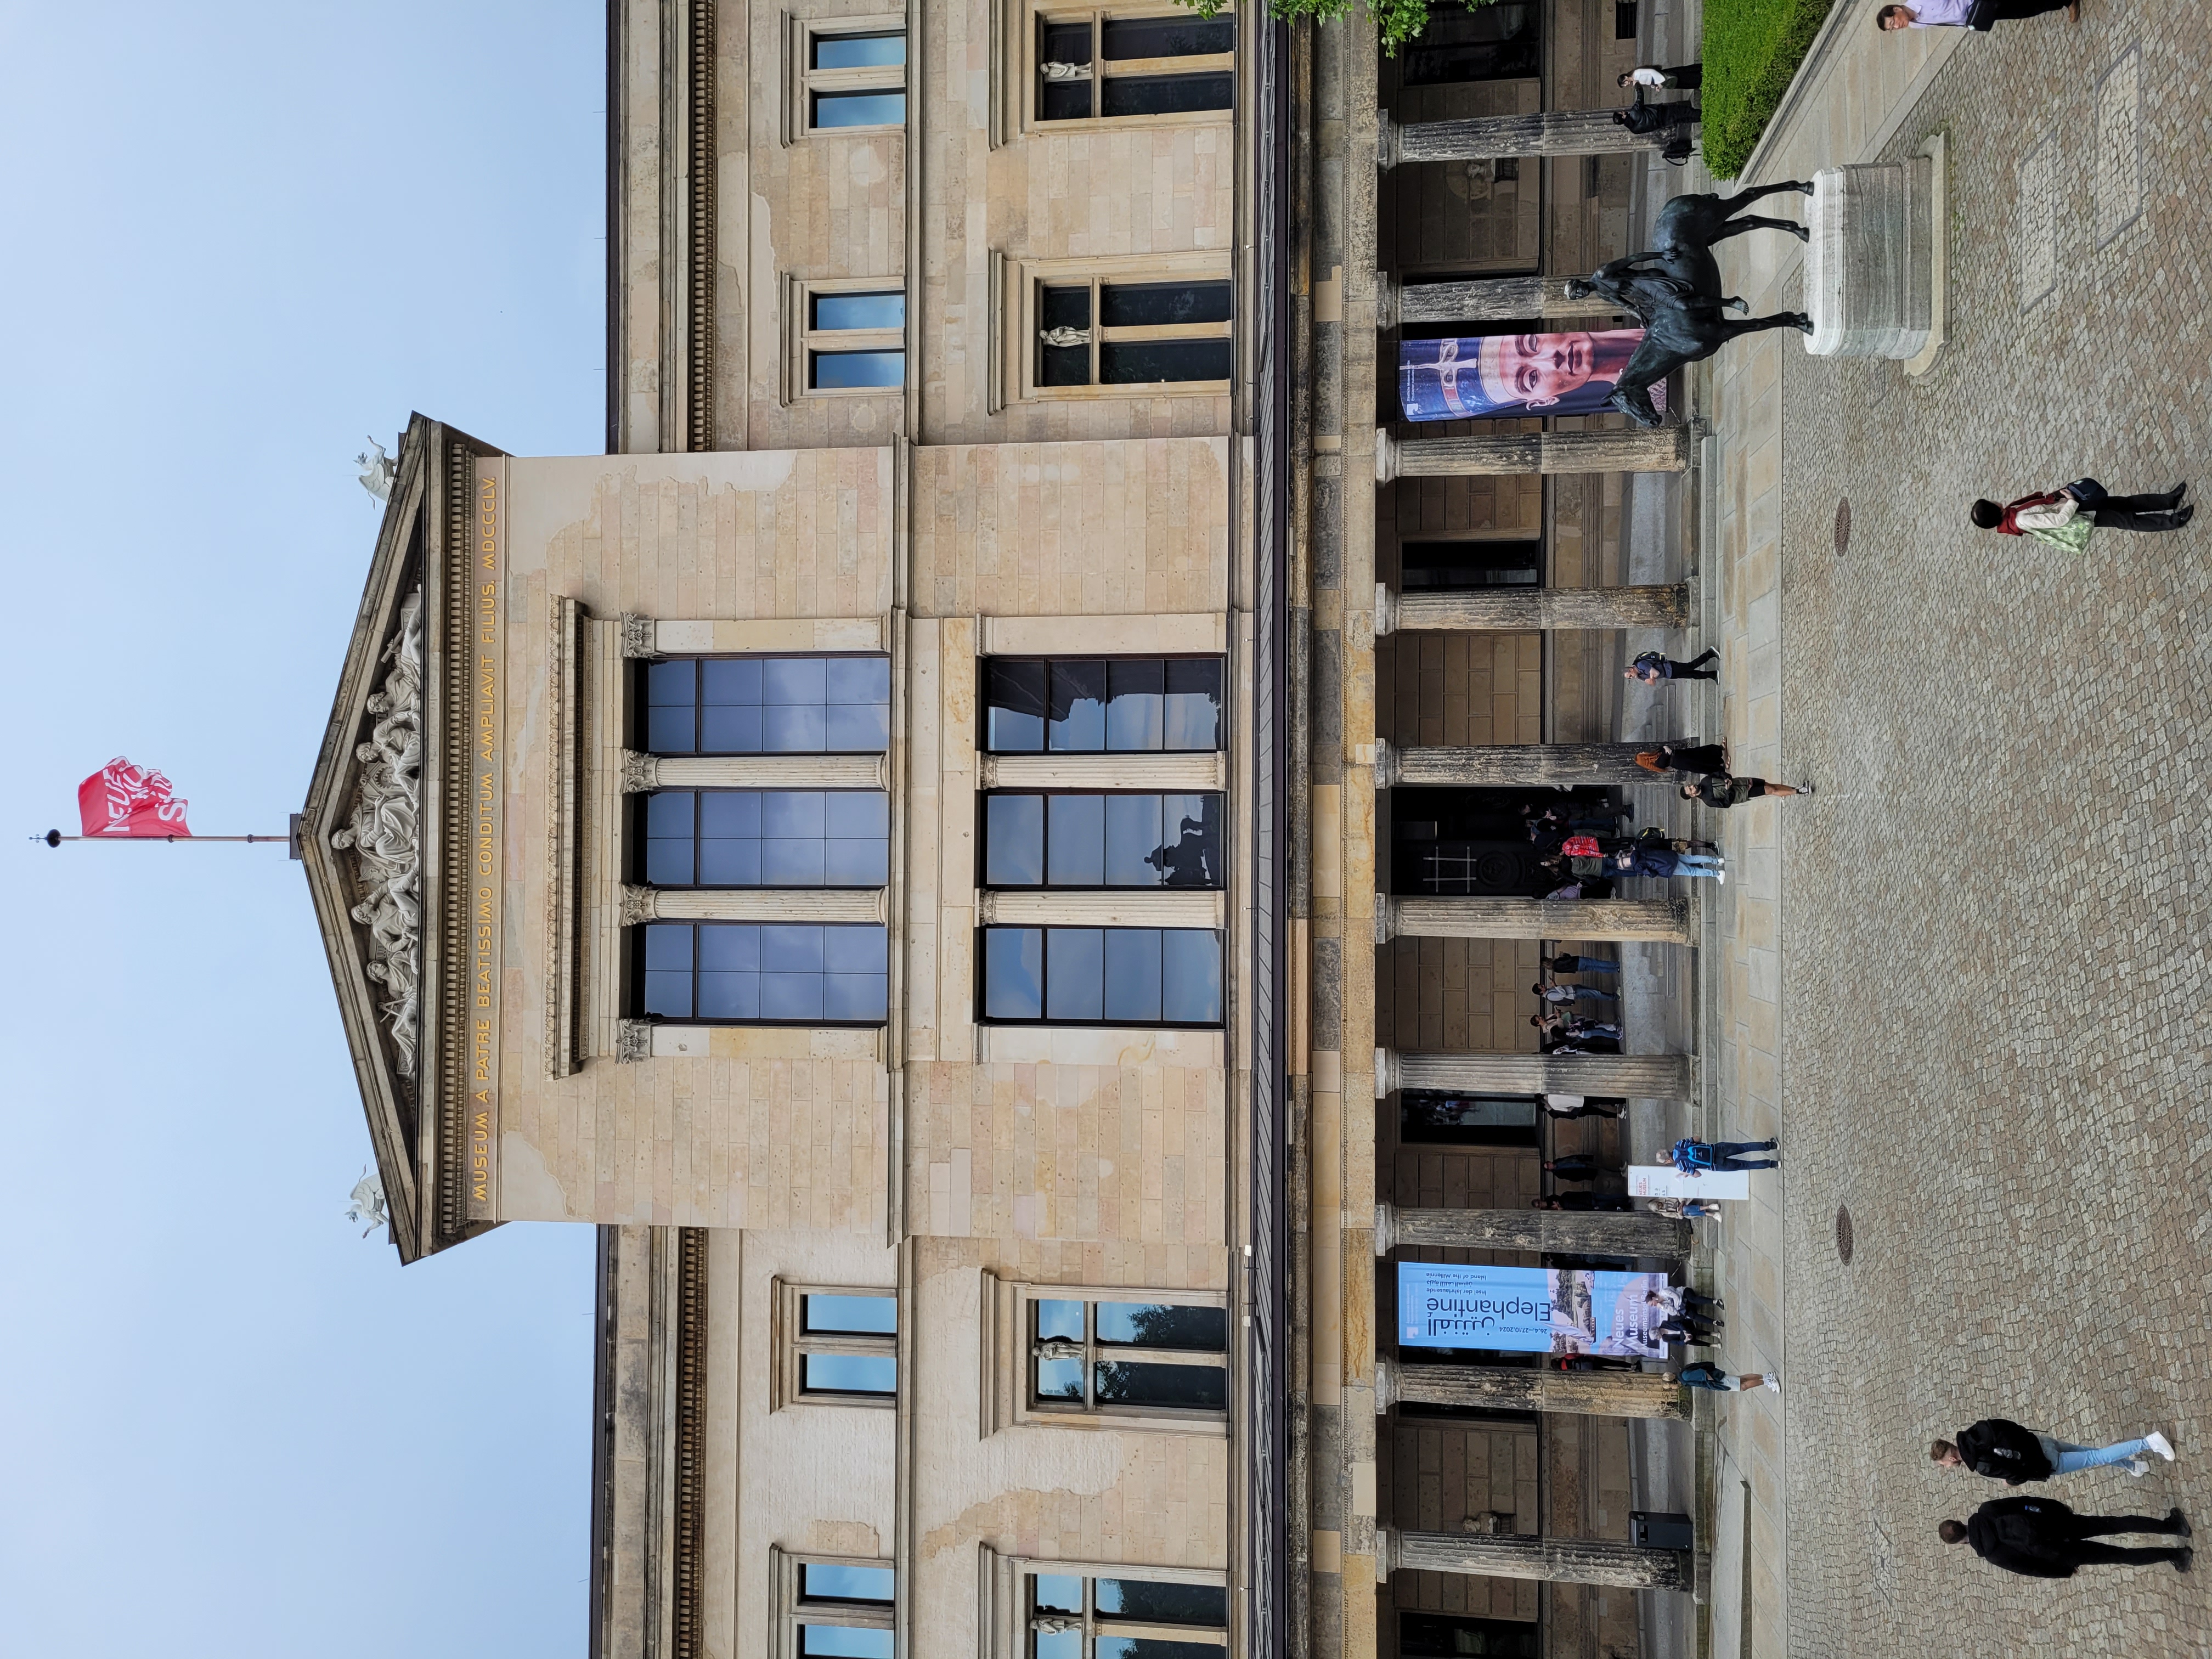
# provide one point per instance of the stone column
(1658, 449)
(1532, 1388)
(1513, 765)
(1569, 1232)
(1490, 299)
(1554, 1560)
(1659, 922)
(1526, 609)
(1647, 1076)
(1549, 132)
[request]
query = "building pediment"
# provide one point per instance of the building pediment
(385, 832)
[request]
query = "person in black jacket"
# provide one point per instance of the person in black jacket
(2003, 1450)
(2041, 1537)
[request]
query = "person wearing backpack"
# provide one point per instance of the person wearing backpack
(2067, 517)
(1651, 667)
(2001, 1450)
(2042, 1538)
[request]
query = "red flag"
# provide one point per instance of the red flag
(123, 800)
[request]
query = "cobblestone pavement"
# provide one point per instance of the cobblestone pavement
(1993, 919)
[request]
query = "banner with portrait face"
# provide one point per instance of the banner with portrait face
(1493, 375)
(1554, 1310)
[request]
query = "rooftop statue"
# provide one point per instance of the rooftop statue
(376, 474)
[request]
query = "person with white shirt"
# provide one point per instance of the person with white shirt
(1682, 77)
(1979, 15)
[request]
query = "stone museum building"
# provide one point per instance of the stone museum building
(925, 842)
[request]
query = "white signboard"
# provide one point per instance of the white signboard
(1665, 1181)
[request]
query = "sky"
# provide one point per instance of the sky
(238, 239)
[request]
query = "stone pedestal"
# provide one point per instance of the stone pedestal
(1868, 265)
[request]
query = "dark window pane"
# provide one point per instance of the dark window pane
(1190, 976)
(1136, 712)
(729, 680)
(1059, 1319)
(671, 684)
(1064, 101)
(1059, 1379)
(1144, 363)
(1166, 94)
(1063, 365)
(1135, 857)
(1193, 718)
(844, 311)
(1154, 1647)
(1014, 707)
(1132, 986)
(1064, 42)
(731, 729)
(1077, 719)
(1155, 305)
(1065, 308)
(1014, 972)
(1456, 1635)
(1488, 43)
(857, 1641)
(843, 371)
(1190, 834)
(1145, 1601)
(1163, 1325)
(849, 1373)
(851, 1314)
(858, 50)
(1056, 1592)
(1447, 566)
(1075, 841)
(824, 1581)
(1013, 840)
(864, 109)
(1074, 968)
(1166, 37)
(1139, 1382)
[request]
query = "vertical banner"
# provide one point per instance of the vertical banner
(483, 576)
(1494, 375)
(1554, 1310)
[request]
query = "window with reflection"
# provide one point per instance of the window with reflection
(839, 1608)
(1451, 1635)
(1501, 41)
(1123, 705)
(768, 705)
(848, 1345)
(744, 973)
(1123, 840)
(854, 339)
(1132, 1355)
(1094, 332)
(765, 837)
(1127, 1616)
(855, 78)
(1110, 65)
(1102, 975)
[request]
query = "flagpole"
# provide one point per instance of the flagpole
(55, 838)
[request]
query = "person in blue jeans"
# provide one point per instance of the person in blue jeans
(1570, 963)
(1707, 1375)
(1696, 1157)
(2003, 1450)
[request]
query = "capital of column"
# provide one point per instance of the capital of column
(1386, 306)
(1389, 145)
(1386, 456)
(1386, 765)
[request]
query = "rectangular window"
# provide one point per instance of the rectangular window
(1128, 1356)
(851, 75)
(744, 973)
(1112, 65)
(1102, 841)
(767, 838)
(1114, 705)
(837, 1346)
(1073, 1616)
(1499, 42)
(854, 339)
(768, 706)
(1092, 333)
(1102, 975)
(1439, 567)
(834, 1606)
(1452, 1635)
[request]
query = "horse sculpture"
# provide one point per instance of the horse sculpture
(1675, 290)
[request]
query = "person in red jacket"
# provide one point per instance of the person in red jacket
(2065, 517)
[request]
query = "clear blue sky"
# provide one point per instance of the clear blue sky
(240, 237)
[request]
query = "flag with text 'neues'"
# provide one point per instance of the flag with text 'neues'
(124, 799)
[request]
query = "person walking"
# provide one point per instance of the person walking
(1679, 78)
(2042, 1538)
(2003, 1450)
(1580, 1167)
(1700, 759)
(2067, 517)
(1570, 963)
(1724, 791)
(1693, 1308)
(1978, 14)
(1696, 1157)
(1587, 1203)
(1651, 667)
(1656, 858)
(1582, 1105)
(1707, 1375)
(1701, 1209)
(1685, 1331)
(1564, 995)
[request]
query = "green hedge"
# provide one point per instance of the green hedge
(1751, 49)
